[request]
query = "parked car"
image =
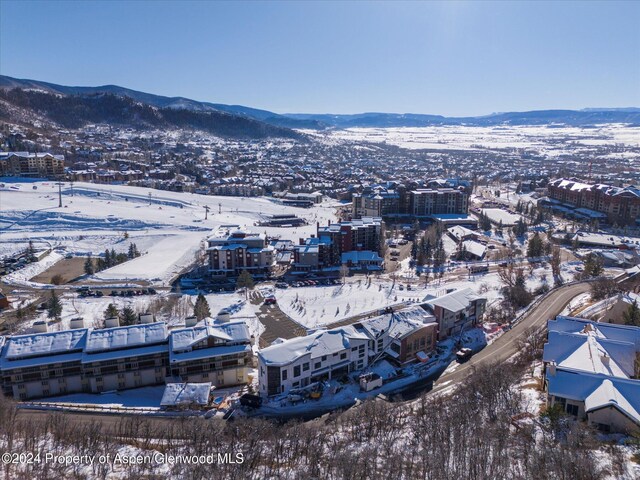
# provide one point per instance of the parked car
(270, 301)
(463, 354)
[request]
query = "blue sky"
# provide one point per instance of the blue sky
(450, 58)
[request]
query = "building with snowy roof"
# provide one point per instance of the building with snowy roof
(98, 360)
(219, 353)
(455, 311)
(186, 396)
(26, 164)
(592, 371)
(232, 250)
(328, 354)
(621, 205)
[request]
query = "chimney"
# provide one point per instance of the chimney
(552, 369)
(605, 359)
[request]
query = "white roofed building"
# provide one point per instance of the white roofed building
(219, 353)
(98, 360)
(456, 311)
(592, 371)
(330, 354)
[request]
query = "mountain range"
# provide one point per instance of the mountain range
(71, 106)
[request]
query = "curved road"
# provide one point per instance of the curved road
(500, 350)
(507, 344)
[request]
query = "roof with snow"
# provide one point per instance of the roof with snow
(611, 331)
(324, 342)
(233, 332)
(589, 353)
(460, 232)
(454, 301)
(40, 344)
(475, 248)
(596, 391)
(356, 256)
(397, 324)
(126, 337)
(176, 394)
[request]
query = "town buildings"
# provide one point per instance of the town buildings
(232, 250)
(25, 164)
(592, 372)
(620, 205)
(97, 360)
(334, 353)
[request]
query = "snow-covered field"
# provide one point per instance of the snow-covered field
(167, 226)
(549, 140)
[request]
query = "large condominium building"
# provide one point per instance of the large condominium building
(621, 205)
(444, 197)
(232, 250)
(25, 164)
(429, 201)
(330, 354)
(98, 360)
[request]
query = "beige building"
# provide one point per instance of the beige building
(99, 360)
(25, 164)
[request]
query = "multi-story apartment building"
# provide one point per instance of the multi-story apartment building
(375, 202)
(335, 239)
(98, 360)
(232, 250)
(327, 354)
(621, 205)
(25, 164)
(428, 201)
(438, 198)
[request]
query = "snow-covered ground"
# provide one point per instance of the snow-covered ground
(168, 227)
(552, 141)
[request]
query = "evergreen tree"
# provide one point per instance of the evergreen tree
(132, 251)
(593, 266)
(111, 311)
(632, 315)
(114, 258)
(535, 247)
(107, 259)
(201, 308)
(128, 316)
(485, 223)
(245, 280)
(54, 307)
(31, 252)
(88, 266)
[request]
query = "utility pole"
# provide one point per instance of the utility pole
(71, 183)
(59, 194)
(206, 211)
(220, 208)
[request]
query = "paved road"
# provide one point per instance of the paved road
(507, 344)
(276, 323)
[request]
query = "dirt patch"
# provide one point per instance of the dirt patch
(68, 268)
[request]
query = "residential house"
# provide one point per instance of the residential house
(592, 371)
(456, 311)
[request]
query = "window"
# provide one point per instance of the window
(317, 365)
(572, 410)
(284, 375)
(324, 357)
(343, 355)
(305, 366)
(296, 371)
